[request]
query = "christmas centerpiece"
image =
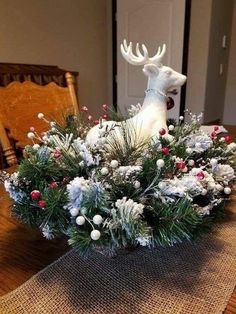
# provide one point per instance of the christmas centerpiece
(119, 184)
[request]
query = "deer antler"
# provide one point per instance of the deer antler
(141, 59)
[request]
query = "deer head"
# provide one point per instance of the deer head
(160, 78)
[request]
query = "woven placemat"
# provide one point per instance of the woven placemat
(189, 278)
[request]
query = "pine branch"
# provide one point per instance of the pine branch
(175, 222)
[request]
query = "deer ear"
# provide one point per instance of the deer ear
(150, 69)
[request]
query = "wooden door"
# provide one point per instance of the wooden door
(152, 22)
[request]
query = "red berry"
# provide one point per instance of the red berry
(162, 131)
(90, 118)
(216, 128)
(105, 116)
(165, 150)
(35, 195)
(57, 154)
(228, 139)
(84, 109)
(42, 204)
(53, 185)
(213, 135)
(66, 180)
(180, 165)
(200, 175)
(105, 107)
(96, 122)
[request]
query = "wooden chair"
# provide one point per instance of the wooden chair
(20, 104)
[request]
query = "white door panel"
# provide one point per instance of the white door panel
(152, 22)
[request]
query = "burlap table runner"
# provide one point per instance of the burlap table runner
(188, 278)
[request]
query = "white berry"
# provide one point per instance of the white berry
(160, 163)
(189, 150)
(219, 187)
(161, 185)
(74, 211)
(95, 235)
(40, 115)
(171, 127)
(104, 171)
(181, 118)
(204, 192)
(227, 190)
(114, 164)
(97, 219)
(80, 220)
(191, 162)
(213, 162)
(31, 135)
(36, 146)
(137, 184)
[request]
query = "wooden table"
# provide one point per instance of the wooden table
(24, 252)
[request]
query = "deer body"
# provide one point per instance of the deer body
(153, 113)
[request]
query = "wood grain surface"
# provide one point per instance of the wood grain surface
(21, 103)
(24, 252)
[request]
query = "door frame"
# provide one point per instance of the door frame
(184, 57)
(187, 19)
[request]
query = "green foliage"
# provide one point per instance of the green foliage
(126, 146)
(38, 168)
(27, 213)
(54, 213)
(80, 239)
(115, 115)
(123, 230)
(175, 222)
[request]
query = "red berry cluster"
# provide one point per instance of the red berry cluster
(162, 131)
(53, 185)
(105, 108)
(57, 153)
(228, 139)
(165, 150)
(200, 175)
(35, 195)
(214, 133)
(180, 165)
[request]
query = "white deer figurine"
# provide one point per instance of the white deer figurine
(153, 113)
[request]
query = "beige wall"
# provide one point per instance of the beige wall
(72, 34)
(198, 55)
(210, 20)
(221, 20)
(230, 96)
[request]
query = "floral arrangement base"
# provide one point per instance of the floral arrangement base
(123, 191)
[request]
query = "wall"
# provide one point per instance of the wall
(198, 54)
(71, 34)
(210, 20)
(230, 96)
(221, 20)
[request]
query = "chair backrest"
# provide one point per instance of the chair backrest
(20, 104)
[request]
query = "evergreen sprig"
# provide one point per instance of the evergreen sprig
(176, 222)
